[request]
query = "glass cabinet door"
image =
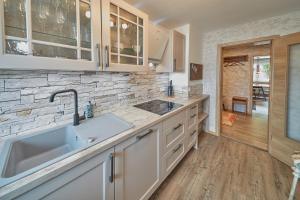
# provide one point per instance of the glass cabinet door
(48, 28)
(126, 37)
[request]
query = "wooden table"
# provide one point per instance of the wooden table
(241, 101)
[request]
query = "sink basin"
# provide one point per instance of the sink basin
(102, 127)
(23, 155)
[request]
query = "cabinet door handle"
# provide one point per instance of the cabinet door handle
(139, 137)
(194, 115)
(174, 63)
(193, 133)
(107, 56)
(111, 176)
(177, 148)
(98, 54)
(177, 127)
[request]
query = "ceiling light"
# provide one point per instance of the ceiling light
(266, 42)
(112, 24)
(124, 26)
(88, 14)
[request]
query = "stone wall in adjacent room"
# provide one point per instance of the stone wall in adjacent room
(280, 25)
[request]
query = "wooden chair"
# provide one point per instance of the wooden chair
(296, 173)
(240, 101)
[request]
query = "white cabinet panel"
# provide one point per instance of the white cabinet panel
(172, 158)
(49, 33)
(89, 180)
(174, 130)
(137, 165)
(125, 37)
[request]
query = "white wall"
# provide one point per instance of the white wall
(280, 25)
(195, 45)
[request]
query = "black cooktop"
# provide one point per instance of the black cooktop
(158, 106)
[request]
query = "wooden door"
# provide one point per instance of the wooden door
(178, 52)
(137, 165)
(285, 98)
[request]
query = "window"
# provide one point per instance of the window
(261, 69)
(48, 28)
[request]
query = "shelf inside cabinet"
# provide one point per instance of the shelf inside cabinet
(202, 116)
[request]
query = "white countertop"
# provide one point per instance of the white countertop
(139, 118)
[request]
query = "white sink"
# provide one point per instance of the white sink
(21, 156)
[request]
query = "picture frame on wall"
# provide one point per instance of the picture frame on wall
(196, 71)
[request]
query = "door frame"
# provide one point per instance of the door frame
(220, 78)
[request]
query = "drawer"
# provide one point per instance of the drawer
(192, 137)
(174, 130)
(173, 157)
(192, 116)
(174, 120)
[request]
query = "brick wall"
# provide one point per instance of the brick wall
(24, 95)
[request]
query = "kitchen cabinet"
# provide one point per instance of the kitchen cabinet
(174, 130)
(172, 158)
(192, 127)
(178, 52)
(88, 180)
(125, 37)
(137, 165)
(45, 34)
(173, 59)
(108, 35)
(158, 42)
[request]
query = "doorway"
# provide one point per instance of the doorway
(245, 89)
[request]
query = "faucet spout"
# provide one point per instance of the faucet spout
(76, 117)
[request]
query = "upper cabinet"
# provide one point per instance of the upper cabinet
(173, 59)
(125, 37)
(72, 35)
(178, 52)
(57, 34)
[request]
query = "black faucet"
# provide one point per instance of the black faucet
(76, 117)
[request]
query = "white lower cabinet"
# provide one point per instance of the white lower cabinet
(89, 180)
(131, 170)
(137, 165)
(172, 158)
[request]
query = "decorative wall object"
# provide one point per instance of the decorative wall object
(196, 71)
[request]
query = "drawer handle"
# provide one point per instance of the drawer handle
(177, 148)
(193, 133)
(107, 56)
(139, 137)
(177, 127)
(194, 115)
(111, 176)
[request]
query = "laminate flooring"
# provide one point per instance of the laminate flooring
(222, 169)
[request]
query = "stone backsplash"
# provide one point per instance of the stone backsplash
(24, 95)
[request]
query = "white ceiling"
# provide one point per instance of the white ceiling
(210, 15)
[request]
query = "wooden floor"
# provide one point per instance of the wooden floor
(222, 169)
(252, 130)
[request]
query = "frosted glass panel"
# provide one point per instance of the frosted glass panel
(54, 21)
(15, 18)
(293, 119)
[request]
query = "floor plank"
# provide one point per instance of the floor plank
(224, 169)
(252, 130)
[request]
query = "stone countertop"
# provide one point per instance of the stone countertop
(139, 118)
